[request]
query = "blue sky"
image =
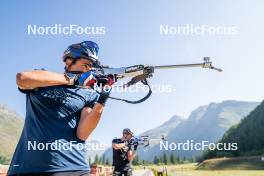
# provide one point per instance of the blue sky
(133, 37)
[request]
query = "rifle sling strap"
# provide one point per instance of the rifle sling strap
(145, 82)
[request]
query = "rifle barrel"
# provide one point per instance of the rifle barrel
(179, 66)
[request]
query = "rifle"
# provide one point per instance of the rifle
(144, 140)
(140, 73)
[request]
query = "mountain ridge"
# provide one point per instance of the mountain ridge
(11, 125)
(205, 123)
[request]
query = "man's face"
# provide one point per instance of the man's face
(127, 136)
(81, 65)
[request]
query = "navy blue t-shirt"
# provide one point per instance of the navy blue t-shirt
(48, 142)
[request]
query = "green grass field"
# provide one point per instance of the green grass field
(243, 166)
(239, 163)
(218, 173)
(191, 170)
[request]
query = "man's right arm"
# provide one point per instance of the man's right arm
(40, 78)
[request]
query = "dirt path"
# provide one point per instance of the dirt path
(142, 172)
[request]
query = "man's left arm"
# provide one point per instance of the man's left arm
(89, 119)
(131, 155)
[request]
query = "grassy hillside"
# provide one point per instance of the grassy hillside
(248, 135)
(237, 163)
(10, 130)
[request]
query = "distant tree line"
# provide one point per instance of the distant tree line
(164, 159)
(99, 160)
